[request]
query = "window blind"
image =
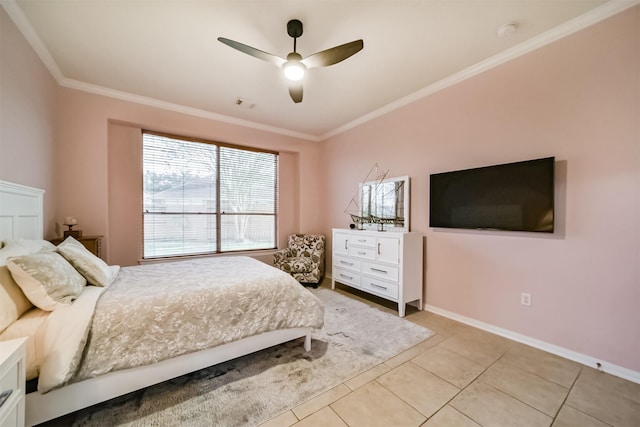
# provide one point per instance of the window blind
(202, 197)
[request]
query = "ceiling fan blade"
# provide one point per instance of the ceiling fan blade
(257, 53)
(295, 90)
(333, 55)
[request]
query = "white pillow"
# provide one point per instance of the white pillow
(95, 270)
(13, 302)
(23, 247)
(47, 279)
(35, 245)
(13, 248)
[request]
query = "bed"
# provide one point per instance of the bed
(215, 310)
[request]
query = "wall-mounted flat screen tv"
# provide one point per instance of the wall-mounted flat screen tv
(513, 197)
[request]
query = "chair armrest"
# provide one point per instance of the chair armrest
(281, 255)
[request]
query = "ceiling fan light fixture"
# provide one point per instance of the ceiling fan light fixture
(293, 68)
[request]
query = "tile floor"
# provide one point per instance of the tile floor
(465, 377)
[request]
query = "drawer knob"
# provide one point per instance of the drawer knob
(378, 286)
(379, 270)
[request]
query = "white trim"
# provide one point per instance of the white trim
(591, 17)
(576, 24)
(169, 106)
(584, 359)
(17, 16)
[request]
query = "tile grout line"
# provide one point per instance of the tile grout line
(355, 376)
(553, 418)
(437, 376)
(564, 402)
(517, 399)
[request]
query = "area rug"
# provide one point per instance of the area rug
(257, 387)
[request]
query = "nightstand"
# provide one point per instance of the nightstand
(12, 382)
(93, 243)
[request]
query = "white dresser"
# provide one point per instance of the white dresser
(387, 264)
(12, 382)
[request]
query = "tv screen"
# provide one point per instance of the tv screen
(514, 197)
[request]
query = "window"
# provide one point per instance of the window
(202, 197)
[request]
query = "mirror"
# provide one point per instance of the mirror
(385, 204)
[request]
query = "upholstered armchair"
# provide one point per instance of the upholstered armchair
(303, 258)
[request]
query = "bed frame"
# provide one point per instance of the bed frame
(21, 216)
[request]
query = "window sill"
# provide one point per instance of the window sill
(254, 254)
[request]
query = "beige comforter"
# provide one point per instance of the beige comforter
(155, 312)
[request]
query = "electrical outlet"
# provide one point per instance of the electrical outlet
(525, 299)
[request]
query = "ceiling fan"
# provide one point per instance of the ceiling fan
(295, 66)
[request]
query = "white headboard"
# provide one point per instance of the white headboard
(21, 212)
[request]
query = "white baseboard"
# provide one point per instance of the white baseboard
(584, 359)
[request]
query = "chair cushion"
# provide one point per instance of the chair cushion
(298, 265)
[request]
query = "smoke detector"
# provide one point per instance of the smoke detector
(505, 30)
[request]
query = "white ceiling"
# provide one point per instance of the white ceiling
(165, 52)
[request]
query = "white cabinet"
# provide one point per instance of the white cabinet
(12, 382)
(386, 264)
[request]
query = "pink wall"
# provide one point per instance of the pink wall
(576, 99)
(27, 117)
(100, 178)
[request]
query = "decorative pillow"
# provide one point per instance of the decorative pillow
(34, 245)
(47, 279)
(13, 248)
(13, 302)
(95, 270)
(23, 247)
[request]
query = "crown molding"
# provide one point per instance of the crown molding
(17, 16)
(15, 13)
(576, 24)
(587, 19)
(169, 106)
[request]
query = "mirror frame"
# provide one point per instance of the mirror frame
(384, 225)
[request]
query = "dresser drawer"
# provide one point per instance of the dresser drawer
(12, 416)
(366, 241)
(347, 277)
(10, 378)
(12, 356)
(387, 264)
(366, 253)
(381, 271)
(379, 287)
(347, 263)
